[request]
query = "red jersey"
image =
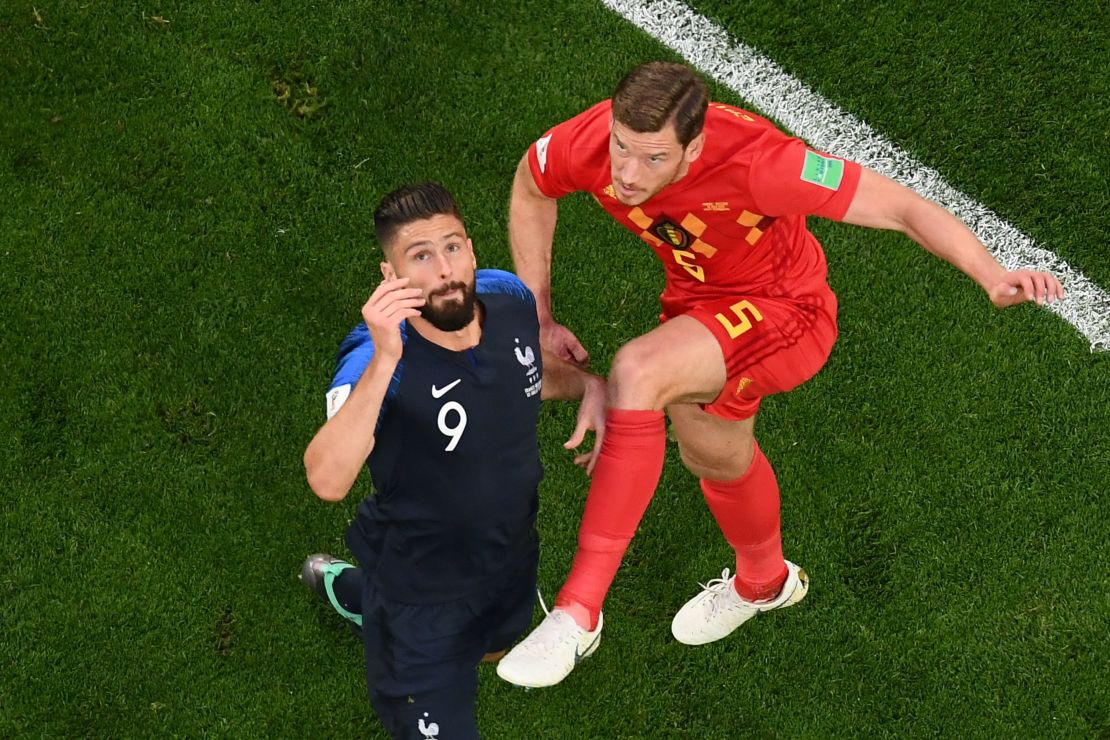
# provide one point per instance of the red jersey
(735, 224)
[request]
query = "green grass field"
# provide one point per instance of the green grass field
(185, 235)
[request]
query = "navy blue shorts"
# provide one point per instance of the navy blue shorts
(422, 659)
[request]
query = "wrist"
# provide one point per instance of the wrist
(592, 383)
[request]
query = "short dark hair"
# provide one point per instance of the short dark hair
(411, 203)
(656, 93)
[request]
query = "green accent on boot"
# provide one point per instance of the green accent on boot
(331, 572)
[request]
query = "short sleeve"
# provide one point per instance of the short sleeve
(355, 352)
(560, 159)
(787, 177)
(503, 283)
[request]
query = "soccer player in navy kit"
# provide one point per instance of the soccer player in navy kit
(438, 394)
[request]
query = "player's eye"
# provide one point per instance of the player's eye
(454, 247)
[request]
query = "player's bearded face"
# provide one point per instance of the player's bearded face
(437, 257)
(642, 164)
(450, 307)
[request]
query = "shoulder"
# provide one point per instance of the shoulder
(592, 123)
(734, 133)
(355, 352)
(502, 283)
(572, 155)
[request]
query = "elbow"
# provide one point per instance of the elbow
(324, 480)
(327, 490)
(325, 486)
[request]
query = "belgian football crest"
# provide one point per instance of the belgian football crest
(669, 232)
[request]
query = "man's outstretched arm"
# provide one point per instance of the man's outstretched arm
(882, 203)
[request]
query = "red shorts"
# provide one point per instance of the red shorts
(770, 345)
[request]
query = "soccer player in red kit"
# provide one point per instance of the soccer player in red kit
(721, 196)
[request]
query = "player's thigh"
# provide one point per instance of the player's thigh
(712, 447)
(769, 345)
(445, 712)
(679, 360)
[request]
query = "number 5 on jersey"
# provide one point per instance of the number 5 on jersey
(741, 310)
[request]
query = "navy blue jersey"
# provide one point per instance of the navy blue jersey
(456, 462)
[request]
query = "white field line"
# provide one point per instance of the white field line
(772, 91)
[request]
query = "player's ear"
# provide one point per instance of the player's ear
(695, 147)
(473, 259)
(387, 271)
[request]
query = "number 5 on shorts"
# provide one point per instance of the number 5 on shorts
(741, 309)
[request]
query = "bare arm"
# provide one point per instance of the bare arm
(336, 454)
(564, 381)
(532, 217)
(882, 203)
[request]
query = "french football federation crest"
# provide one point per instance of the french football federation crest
(527, 359)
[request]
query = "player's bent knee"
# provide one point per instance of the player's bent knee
(633, 381)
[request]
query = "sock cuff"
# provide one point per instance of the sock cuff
(634, 417)
(331, 573)
(603, 542)
(731, 487)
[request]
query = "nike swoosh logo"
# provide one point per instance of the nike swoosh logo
(580, 656)
(438, 392)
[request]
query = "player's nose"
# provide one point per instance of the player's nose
(629, 173)
(443, 265)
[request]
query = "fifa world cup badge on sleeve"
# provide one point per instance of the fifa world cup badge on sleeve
(337, 396)
(541, 152)
(821, 170)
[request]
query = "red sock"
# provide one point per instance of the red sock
(747, 511)
(624, 481)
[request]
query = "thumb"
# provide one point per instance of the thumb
(1003, 291)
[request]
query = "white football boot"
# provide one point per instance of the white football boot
(718, 609)
(548, 655)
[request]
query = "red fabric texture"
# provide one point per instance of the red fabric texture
(624, 480)
(747, 511)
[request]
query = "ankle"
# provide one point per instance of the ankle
(580, 614)
(760, 594)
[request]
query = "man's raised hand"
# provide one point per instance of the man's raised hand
(391, 303)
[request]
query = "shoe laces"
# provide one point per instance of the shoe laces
(557, 628)
(543, 604)
(716, 591)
